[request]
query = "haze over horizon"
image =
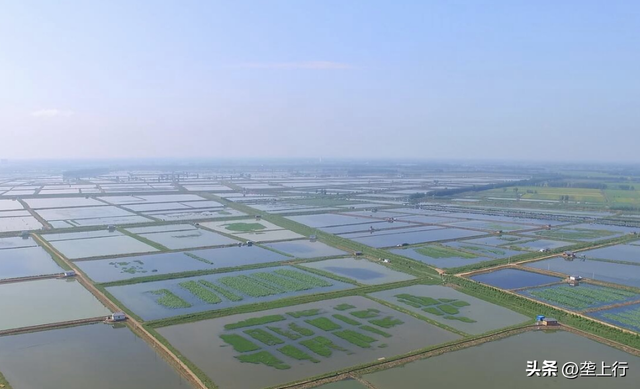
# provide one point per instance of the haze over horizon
(495, 80)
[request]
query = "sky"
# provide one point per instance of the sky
(515, 79)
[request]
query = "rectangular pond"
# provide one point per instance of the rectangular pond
(305, 249)
(116, 269)
(185, 236)
(46, 301)
(26, 262)
(584, 296)
(626, 316)
(361, 270)
(96, 356)
(452, 308)
(502, 364)
(597, 270)
(162, 299)
(440, 256)
(514, 278)
(621, 252)
(427, 235)
(102, 246)
(322, 332)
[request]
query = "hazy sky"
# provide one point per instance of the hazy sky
(525, 79)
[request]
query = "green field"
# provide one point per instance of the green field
(265, 358)
(169, 300)
(239, 343)
(575, 234)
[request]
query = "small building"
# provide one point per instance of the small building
(548, 321)
(540, 318)
(111, 228)
(258, 217)
(575, 278)
(24, 234)
(385, 260)
(249, 243)
(545, 250)
(69, 273)
(569, 254)
(117, 316)
(357, 253)
(574, 283)
(313, 238)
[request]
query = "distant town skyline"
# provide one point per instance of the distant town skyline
(491, 80)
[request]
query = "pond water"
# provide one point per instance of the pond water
(116, 220)
(570, 293)
(487, 316)
(604, 271)
(306, 249)
(184, 239)
(46, 301)
(107, 270)
(621, 252)
(16, 242)
(19, 223)
(344, 384)
(379, 225)
(95, 247)
(28, 261)
(361, 270)
(83, 213)
(62, 202)
(513, 279)
(94, 356)
(539, 244)
(492, 226)
(196, 214)
(502, 364)
(626, 317)
(427, 235)
(429, 219)
(200, 343)
(10, 205)
(328, 219)
(139, 299)
(442, 263)
(155, 207)
(489, 251)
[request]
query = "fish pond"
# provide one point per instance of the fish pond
(162, 299)
(185, 236)
(115, 269)
(452, 308)
(615, 273)
(46, 301)
(361, 270)
(305, 249)
(287, 344)
(26, 262)
(503, 363)
(514, 278)
(426, 235)
(440, 256)
(94, 356)
(626, 316)
(584, 296)
(114, 244)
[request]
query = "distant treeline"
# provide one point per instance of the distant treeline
(478, 188)
(587, 185)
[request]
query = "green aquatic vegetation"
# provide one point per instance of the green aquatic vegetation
(304, 277)
(296, 353)
(301, 330)
(305, 313)
(448, 309)
(254, 321)
(239, 343)
(444, 252)
(629, 317)
(447, 300)
(323, 323)
(244, 227)
(460, 318)
(387, 322)
(375, 331)
(433, 311)
(484, 250)
(198, 258)
(346, 319)
(366, 314)
(423, 301)
(201, 292)
(383, 345)
(575, 233)
(224, 292)
(286, 333)
(286, 284)
(263, 336)
(355, 338)
(248, 286)
(343, 307)
(169, 300)
(581, 297)
(460, 303)
(321, 346)
(265, 358)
